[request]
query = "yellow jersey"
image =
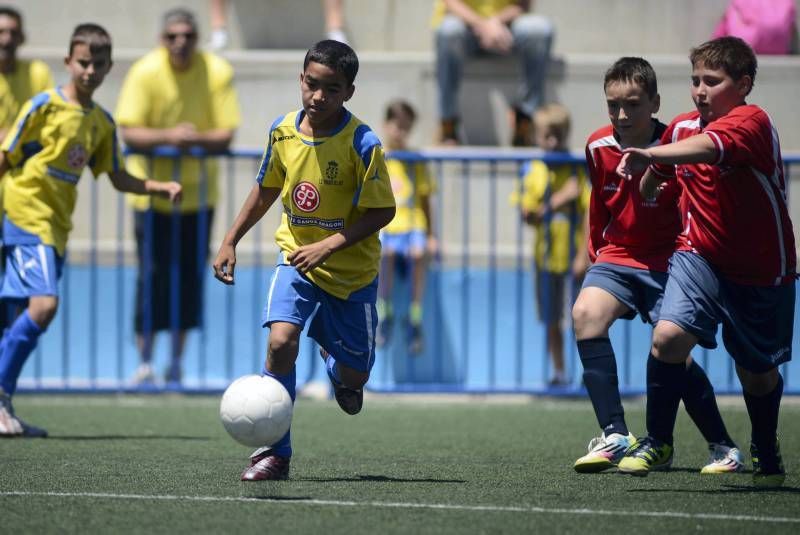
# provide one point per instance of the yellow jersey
(28, 79)
(553, 245)
(484, 8)
(408, 194)
(326, 185)
(50, 144)
(154, 95)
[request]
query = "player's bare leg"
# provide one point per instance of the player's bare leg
(418, 272)
(385, 305)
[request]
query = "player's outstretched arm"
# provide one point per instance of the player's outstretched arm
(308, 257)
(256, 204)
(122, 181)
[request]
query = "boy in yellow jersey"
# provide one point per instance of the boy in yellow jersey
(554, 201)
(180, 96)
(410, 234)
(328, 170)
(19, 81)
(56, 136)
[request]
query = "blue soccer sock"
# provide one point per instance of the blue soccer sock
(283, 447)
(18, 343)
(332, 367)
(665, 383)
(763, 411)
(701, 405)
(600, 379)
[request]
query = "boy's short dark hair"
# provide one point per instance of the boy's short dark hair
(93, 35)
(731, 54)
(634, 70)
(9, 11)
(399, 107)
(338, 56)
(179, 15)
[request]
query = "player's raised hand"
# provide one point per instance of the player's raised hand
(308, 257)
(224, 263)
(634, 162)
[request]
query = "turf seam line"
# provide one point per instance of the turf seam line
(408, 505)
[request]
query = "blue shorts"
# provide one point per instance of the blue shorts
(403, 244)
(757, 321)
(31, 270)
(345, 328)
(640, 290)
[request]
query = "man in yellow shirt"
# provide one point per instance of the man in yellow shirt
(468, 27)
(175, 95)
(19, 79)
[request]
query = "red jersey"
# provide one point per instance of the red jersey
(735, 211)
(624, 228)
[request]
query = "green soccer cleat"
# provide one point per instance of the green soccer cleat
(645, 456)
(768, 471)
(604, 452)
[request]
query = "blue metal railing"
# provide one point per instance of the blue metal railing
(482, 335)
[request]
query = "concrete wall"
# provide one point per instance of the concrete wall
(602, 26)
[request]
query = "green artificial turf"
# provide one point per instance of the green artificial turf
(163, 464)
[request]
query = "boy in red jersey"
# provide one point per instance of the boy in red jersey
(735, 259)
(630, 242)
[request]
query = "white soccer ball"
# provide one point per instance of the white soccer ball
(256, 411)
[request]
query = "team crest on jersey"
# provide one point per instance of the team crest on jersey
(77, 156)
(306, 197)
(332, 174)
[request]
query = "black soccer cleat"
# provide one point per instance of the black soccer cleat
(350, 400)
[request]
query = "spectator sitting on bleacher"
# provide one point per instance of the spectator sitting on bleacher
(467, 27)
(175, 96)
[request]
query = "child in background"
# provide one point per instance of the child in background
(554, 201)
(409, 237)
(56, 135)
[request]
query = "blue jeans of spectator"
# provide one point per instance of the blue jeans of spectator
(455, 41)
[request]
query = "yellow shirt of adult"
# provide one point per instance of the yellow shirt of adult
(555, 244)
(154, 95)
(326, 185)
(50, 144)
(28, 78)
(411, 182)
(484, 8)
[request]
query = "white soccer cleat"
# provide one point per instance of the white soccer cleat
(13, 426)
(723, 460)
(144, 374)
(604, 452)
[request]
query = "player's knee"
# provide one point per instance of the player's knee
(758, 384)
(585, 319)
(282, 345)
(42, 309)
(670, 343)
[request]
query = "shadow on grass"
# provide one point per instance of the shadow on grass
(727, 489)
(125, 437)
(378, 479)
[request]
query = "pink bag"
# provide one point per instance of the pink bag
(766, 25)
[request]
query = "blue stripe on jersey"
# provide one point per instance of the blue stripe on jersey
(37, 102)
(263, 167)
(364, 140)
(63, 175)
(115, 142)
